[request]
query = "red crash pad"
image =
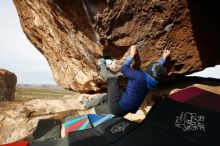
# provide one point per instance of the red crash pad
(20, 143)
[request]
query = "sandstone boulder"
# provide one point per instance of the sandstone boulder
(8, 82)
(72, 35)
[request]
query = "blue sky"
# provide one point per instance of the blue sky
(18, 55)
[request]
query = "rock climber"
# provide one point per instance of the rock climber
(139, 83)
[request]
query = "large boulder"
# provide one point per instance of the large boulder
(72, 35)
(8, 82)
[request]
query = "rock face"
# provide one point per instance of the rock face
(72, 35)
(8, 82)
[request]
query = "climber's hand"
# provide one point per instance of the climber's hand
(166, 53)
(133, 51)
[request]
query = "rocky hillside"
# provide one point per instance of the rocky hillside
(72, 35)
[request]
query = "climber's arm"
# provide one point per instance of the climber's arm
(162, 60)
(125, 69)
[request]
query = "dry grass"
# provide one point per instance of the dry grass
(23, 93)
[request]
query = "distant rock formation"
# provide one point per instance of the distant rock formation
(72, 35)
(8, 82)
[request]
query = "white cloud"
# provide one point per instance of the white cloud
(213, 72)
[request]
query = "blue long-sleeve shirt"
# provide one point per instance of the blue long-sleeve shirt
(137, 88)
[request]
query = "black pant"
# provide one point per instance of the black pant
(114, 97)
(114, 94)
